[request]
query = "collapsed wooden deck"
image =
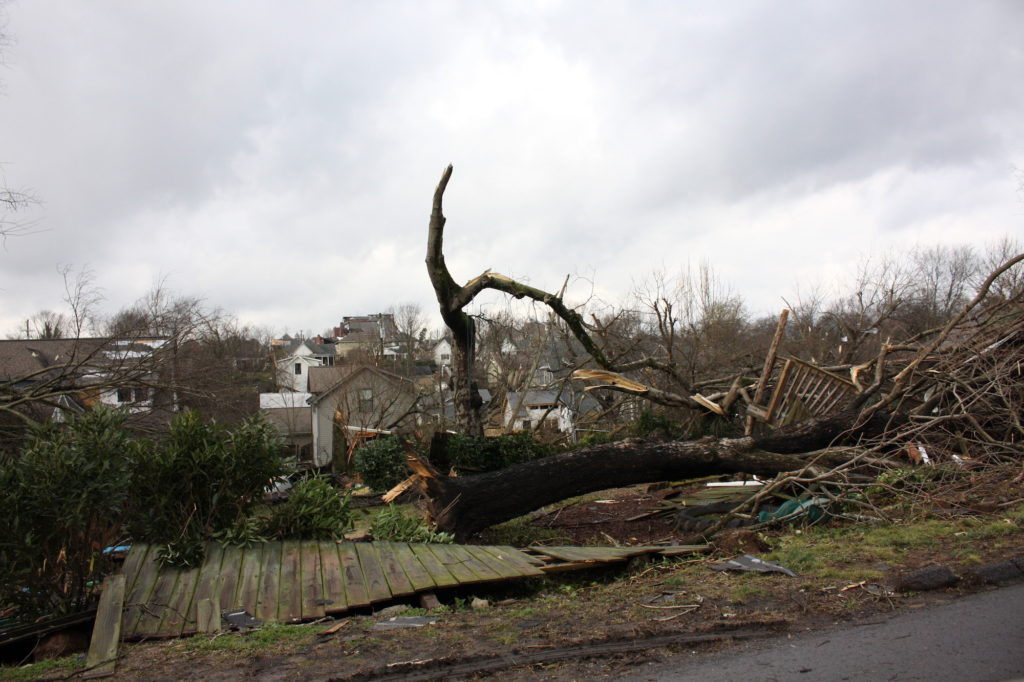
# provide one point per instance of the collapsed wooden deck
(295, 581)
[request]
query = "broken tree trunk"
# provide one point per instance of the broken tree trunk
(468, 504)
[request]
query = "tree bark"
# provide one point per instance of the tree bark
(451, 300)
(465, 505)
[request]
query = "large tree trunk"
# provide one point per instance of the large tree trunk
(468, 504)
(451, 299)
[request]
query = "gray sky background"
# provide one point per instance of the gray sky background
(278, 159)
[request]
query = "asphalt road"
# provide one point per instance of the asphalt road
(977, 638)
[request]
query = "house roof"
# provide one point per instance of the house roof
(318, 348)
(582, 402)
(535, 398)
(24, 358)
(323, 378)
(361, 369)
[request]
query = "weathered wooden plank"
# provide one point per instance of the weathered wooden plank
(173, 621)
(394, 573)
(133, 564)
(142, 588)
(333, 577)
(453, 563)
(780, 388)
(441, 576)
(312, 582)
(482, 570)
(676, 550)
(356, 591)
(584, 554)
(207, 587)
(376, 583)
(106, 633)
(231, 565)
(510, 565)
(418, 576)
(266, 603)
(502, 568)
(289, 600)
(156, 606)
(208, 615)
(248, 593)
(524, 562)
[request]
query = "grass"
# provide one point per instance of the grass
(56, 667)
(748, 588)
(266, 639)
(519, 533)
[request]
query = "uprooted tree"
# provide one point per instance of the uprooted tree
(956, 388)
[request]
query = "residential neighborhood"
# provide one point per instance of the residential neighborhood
(511, 340)
(336, 391)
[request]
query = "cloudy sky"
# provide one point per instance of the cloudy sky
(278, 159)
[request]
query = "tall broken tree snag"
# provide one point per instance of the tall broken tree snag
(453, 299)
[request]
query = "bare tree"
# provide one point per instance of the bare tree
(12, 201)
(1010, 284)
(943, 279)
(209, 361)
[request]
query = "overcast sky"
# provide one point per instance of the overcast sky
(278, 159)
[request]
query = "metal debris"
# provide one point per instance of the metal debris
(748, 562)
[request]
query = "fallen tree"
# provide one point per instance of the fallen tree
(957, 388)
(465, 505)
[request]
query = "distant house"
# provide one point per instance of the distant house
(372, 334)
(361, 398)
(291, 415)
(298, 358)
(50, 378)
(443, 356)
(548, 410)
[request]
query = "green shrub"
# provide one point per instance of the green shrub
(381, 463)
(198, 481)
(392, 524)
(652, 425)
(63, 500)
(313, 511)
(481, 453)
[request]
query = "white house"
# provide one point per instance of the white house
(293, 368)
(443, 356)
(547, 410)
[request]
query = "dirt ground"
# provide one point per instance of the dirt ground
(603, 624)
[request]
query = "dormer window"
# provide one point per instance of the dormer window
(298, 368)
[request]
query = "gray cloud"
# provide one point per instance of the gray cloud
(280, 161)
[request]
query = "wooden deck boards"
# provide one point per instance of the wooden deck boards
(304, 580)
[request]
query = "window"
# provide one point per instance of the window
(366, 400)
(131, 395)
(445, 357)
(298, 368)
